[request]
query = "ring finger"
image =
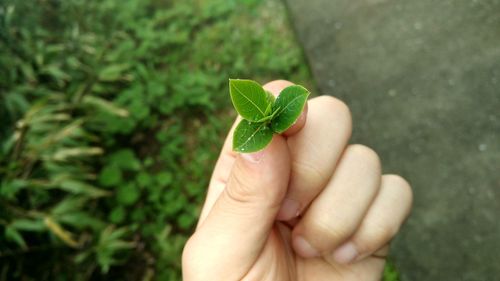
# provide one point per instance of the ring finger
(382, 221)
(340, 208)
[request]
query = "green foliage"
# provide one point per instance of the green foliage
(251, 136)
(288, 107)
(112, 115)
(390, 272)
(110, 242)
(249, 99)
(262, 114)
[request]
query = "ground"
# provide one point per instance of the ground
(422, 79)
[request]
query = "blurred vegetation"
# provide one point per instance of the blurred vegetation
(390, 272)
(112, 114)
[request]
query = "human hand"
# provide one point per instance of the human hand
(308, 207)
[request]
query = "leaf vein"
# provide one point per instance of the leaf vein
(288, 105)
(236, 88)
(252, 135)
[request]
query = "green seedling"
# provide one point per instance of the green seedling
(262, 114)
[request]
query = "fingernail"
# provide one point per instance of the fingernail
(304, 248)
(346, 253)
(254, 157)
(289, 210)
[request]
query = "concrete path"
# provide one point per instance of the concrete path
(422, 78)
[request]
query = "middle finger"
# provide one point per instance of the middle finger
(340, 208)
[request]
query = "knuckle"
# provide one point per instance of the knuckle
(384, 233)
(244, 190)
(276, 86)
(338, 107)
(397, 180)
(378, 236)
(310, 172)
(368, 156)
(281, 82)
(331, 101)
(323, 226)
(405, 188)
(239, 190)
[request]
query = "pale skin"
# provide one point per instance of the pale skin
(310, 206)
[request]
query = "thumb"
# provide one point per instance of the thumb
(239, 223)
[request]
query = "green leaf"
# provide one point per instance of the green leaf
(9, 189)
(128, 194)
(164, 178)
(106, 106)
(249, 99)
(268, 111)
(270, 100)
(138, 215)
(80, 220)
(56, 72)
(117, 215)
(143, 179)
(113, 72)
(126, 160)
(270, 116)
(67, 205)
(110, 175)
(109, 245)
(270, 97)
(14, 235)
(28, 225)
(251, 137)
(78, 187)
(64, 154)
(289, 105)
(185, 221)
(139, 109)
(82, 256)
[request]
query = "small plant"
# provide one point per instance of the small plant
(262, 114)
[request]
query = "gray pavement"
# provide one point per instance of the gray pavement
(422, 78)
